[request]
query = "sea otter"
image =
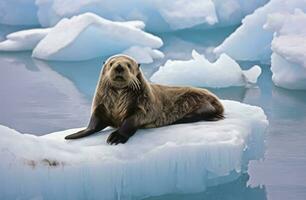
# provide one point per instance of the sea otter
(125, 100)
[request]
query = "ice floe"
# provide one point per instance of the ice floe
(84, 37)
(251, 41)
(198, 71)
(180, 158)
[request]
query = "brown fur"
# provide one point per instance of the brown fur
(148, 105)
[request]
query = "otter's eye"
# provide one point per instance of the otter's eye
(111, 63)
(129, 65)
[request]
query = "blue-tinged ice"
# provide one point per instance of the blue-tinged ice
(173, 159)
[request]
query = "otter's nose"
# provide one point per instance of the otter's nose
(119, 68)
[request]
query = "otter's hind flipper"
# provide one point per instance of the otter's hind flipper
(80, 134)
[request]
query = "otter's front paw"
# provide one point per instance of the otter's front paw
(116, 138)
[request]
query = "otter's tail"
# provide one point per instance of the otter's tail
(212, 116)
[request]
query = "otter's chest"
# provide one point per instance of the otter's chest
(117, 107)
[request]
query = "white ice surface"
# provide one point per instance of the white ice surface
(251, 41)
(179, 158)
(198, 71)
(288, 62)
(23, 40)
(159, 15)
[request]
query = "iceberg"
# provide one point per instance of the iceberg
(182, 158)
(159, 16)
(288, 61)
(198, 71)
(88, 36)
(251, 41)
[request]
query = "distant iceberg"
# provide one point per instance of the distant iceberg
(181, 158)
(159, 15)
(251, 41)
(84, 37)
(198, 71)
(288, 61)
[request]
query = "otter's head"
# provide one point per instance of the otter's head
(122, 71)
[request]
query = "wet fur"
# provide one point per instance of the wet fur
(139, 104)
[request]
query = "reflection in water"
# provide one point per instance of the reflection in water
(35, 99)
(236, 190)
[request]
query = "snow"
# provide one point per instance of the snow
(288, 63)
(157, 14)
(18, 12)
(179, 158)
(251, 41)
(198, 71)
(23, 40)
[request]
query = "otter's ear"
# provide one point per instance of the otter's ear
(103, 63)
(138, 65)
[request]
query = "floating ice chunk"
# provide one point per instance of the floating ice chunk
(23, 40)
(198, 71)
(180, 158)
(18, 12)
(158, 15)
(143, 54)
(251, 41)
(252, 74)
(88, 36)
(288, 63)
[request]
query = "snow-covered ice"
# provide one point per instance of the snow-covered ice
(251, 41)
(23, 40)
(288, 61)
(158, 15)
(198, 71)
(181, 158)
